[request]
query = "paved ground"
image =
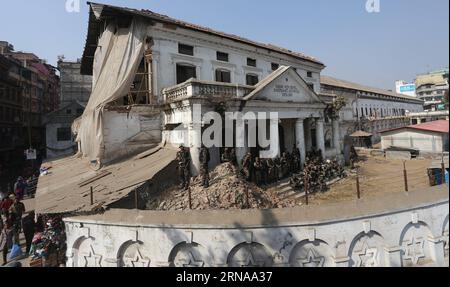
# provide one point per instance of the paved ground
(29, 206)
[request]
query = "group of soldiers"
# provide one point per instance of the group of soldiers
(267, 171)
(316, 173)
(184, 167)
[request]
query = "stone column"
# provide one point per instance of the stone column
(275, 135)
(320, 136)
(336, 136)
(300, 139)
(308, 136)
(241, 140)
(195, 143)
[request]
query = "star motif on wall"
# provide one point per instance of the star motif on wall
(311, 260)
(92, 259)
(367, 257)
(414, 249)
(138, 261)
(250, 261)
(190, 261)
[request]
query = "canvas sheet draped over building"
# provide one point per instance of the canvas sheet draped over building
(116, 60)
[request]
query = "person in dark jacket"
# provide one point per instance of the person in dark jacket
(28, 227)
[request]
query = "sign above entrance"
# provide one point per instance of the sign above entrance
(286, 90)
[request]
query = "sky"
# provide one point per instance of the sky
(403, 39)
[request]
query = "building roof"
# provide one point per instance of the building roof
(360, 134)
(440, 126)
(433, 78)
(99, 12)
(330, 81)
(66, 189)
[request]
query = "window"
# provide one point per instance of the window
(311, 86)
(309, 74)
(185, 72)
(64, 134)
(69, 111)
(185, 49)
(252, 79)
(222, 56)
(251, 62)
(275, 66)
(223, 76)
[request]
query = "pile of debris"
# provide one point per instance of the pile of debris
(227, 190)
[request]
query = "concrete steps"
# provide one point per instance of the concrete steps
(286, 192)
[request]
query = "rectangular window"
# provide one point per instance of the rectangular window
(309, 74)
(251, 62)
(275, 66)
(185, 72)
(185, 49)
(64, 134)
(251, 79)
(222, 57)
(223, 76)
(311, 86)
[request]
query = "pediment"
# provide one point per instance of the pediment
(284, 85)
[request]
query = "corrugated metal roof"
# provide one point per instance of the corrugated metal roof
(440, 126)
(330, 81)
(109, 10)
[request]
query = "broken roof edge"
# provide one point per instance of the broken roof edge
(96, 14)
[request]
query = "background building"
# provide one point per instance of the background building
(29, 88)
(74, 95)
(369, 109)
(431, 88)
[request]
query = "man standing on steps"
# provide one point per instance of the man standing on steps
(204, 158)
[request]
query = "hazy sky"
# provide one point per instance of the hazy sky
(405, 38)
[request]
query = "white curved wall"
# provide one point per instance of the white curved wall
(414, 234)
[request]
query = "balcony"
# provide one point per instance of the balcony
(201, 89)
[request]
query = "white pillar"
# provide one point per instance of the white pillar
(320, 136)
(195, 143)
(308, 136)
(300, 139)
(275, 134)
(336, 136)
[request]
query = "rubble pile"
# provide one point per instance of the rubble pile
(226, 191)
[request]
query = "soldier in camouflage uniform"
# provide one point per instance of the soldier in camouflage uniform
(258, 171)
(204, 158)
(184, 174)
(247, 166)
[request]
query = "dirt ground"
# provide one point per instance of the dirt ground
(377, 175)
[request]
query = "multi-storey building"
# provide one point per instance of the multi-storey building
(74, 95)
(370, 109)
(431, 88)
(30, 88)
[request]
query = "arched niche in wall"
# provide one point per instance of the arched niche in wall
(311, 254)
(85, 254)
(367, 250)
(132, 254)
(189, 255)
(249, 255)
(415, 246)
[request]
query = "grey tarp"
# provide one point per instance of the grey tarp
(67, 186)
(116, 61)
